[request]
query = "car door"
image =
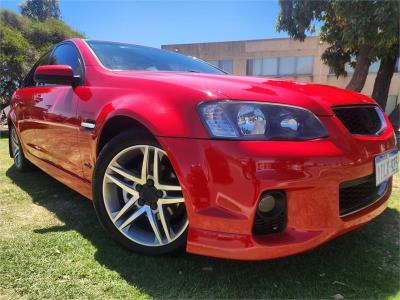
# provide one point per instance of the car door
(26, 108)
(57, 122)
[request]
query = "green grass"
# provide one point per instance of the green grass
(52, 246)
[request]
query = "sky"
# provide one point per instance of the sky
(155, 23)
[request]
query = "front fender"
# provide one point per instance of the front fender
(161, 117)
(165, 110)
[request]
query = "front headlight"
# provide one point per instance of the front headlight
(259, 121)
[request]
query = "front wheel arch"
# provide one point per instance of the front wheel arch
(117, 125)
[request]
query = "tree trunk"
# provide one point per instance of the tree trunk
(383, 79)
(361, 70)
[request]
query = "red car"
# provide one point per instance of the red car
(176, 153)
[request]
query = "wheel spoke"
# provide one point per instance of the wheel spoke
(123, 210)
(14, 138)
(132, 218)
(163, 201)
(145, 163)
(16, 152)
(157, 183)
(164, 222)
(123, 185)
(14, 141)
(169, 187)
(155, 168)
(13, 146)
(153, 223)
(125, 173)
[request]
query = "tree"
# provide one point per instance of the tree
(40, 10)
(384, 76)
(388, 52)
(352, 29)
(23, 41)
(16, 56)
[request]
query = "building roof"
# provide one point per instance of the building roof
(237, 41)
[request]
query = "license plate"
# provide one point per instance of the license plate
(386, 165)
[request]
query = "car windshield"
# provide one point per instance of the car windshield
(118, 56)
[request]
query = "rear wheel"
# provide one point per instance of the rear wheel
(137, 196)
(20, 162)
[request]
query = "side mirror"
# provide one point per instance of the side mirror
(56, 74)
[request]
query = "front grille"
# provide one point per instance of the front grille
(362, 120)
(358, 194)
(263, 225)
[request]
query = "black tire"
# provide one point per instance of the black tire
(109, 151)
(20, 161)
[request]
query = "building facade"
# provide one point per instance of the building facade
(286, 58)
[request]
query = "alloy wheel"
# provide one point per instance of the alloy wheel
(16, 148)
(143, 197)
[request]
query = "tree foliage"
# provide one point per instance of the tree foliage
(297, 17)
(23, 41)
(40, 10)
(364, 30)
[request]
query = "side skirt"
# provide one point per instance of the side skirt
(79, 185)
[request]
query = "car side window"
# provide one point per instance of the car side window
(28, 81)
(67, 54)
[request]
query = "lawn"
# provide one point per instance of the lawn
(51, 246)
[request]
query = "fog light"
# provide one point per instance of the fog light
(267, 203)
(271, 214)
(272, 204)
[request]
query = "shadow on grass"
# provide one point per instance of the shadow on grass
(3, 134)
(361, 264)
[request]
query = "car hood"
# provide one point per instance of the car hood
(316, 97)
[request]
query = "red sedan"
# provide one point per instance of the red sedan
(175, 153)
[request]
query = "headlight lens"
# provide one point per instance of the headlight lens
(217, 121)
(251, 120)
(260, 121)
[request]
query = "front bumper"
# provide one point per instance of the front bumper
(222, 182)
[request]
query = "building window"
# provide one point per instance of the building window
(254, 67)
(224, 64)
(270, 66)
(281, 66)
(287, 66)
(373, 68)
(304, 65)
